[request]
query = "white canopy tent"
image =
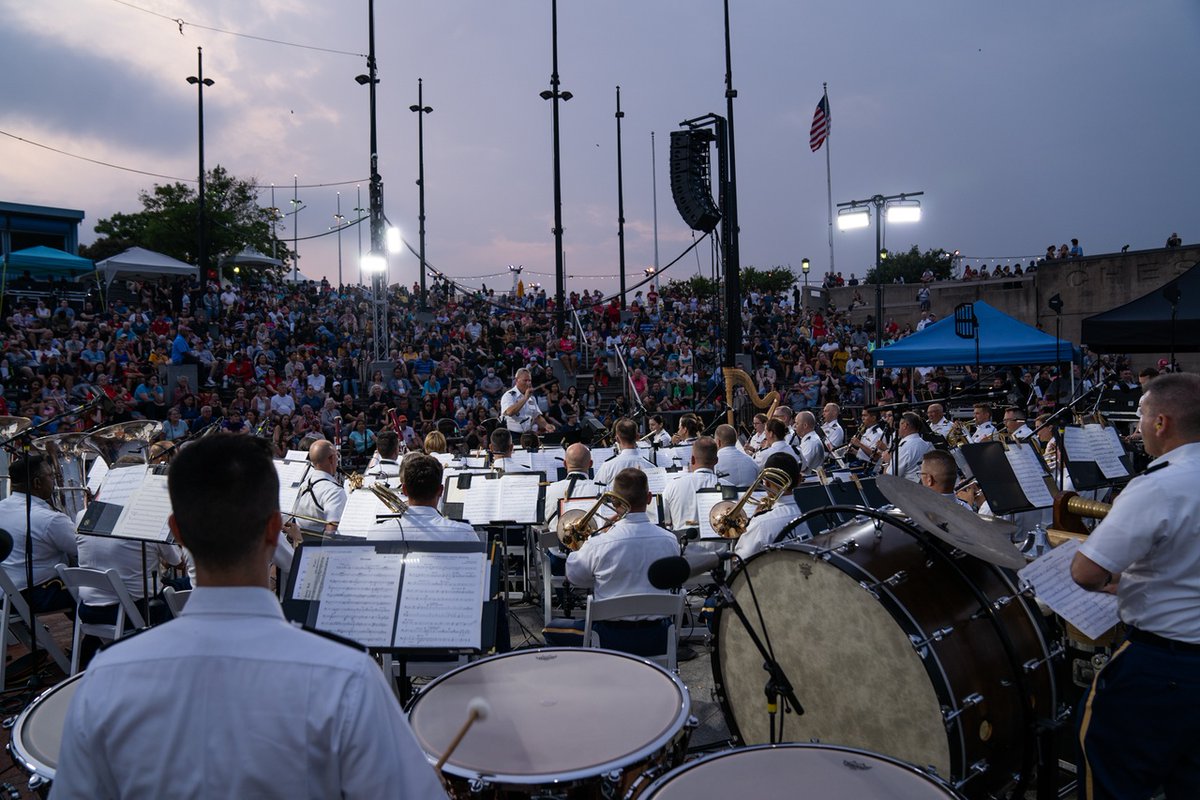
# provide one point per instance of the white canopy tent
(137, 263)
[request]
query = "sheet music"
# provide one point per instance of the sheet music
(310, 573)
(359, 515)
(657, 479)
(705, 500)
(1093, 613)
(678, 456)
(518, 499)
(358, 594)
(1030, 475)
(961, 460)
(290, 474)
(145, 514)
(475, 462)
(1108, 450)
(600, 455)
(479, 501)
(1078, 444)
(547, 461)
(296, 455)
(441, 601)
(96, 474)
(120, 483)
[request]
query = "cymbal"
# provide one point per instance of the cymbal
(11, 426)
(985, 538)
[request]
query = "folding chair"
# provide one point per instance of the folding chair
(13, 608)
(176, 599)
(108, 580)
(669, 606)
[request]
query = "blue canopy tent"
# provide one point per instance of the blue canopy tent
(46, 262)
(1002, 340)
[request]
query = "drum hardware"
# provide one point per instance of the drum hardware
(575, 526)
(920, 644)
(1056, 650)
(968, 702)
(891, 581)
(978, 768)
(729, 519)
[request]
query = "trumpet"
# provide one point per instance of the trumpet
(729, 519)
(390, 497)
(575, 526)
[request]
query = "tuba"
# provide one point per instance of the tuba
(729, 519)
(126, 442)
(575, 526)
(735, 377)
(67, 453)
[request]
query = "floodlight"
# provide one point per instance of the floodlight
(851, 218)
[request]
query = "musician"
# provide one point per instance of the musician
(812, 452)
(689, 430)
(386, 461)
(765, 527)
(626, 432)
(935, 414)
(985, 429)
(735, 466)
(679, 497)
(232, 673)
(421, 483)
(1138, 732)
(909, 450)
(578, 462)
(835, 436)
(1014, 423)
(939, 472)
(658, 435)
(501, 446)
(321, 494)
(776, 442)
(758, 440)
(872, 437)
(33, 477)
(518, 408)
(784, 414)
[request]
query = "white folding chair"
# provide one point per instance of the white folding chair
(77, 578)
(548, 541)
(14, 609)
(638, 605)
(176, 600)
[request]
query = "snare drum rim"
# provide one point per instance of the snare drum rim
(931, 777)
(16, 749)
(658, 745)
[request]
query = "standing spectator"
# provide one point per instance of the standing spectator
(1173, 240)
(1076, 251)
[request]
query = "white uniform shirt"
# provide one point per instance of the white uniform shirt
(907, 461)
(763, 529)
(320, 496)
(680, 509)
(53, 538)
(737, 468)
(661, 439)
(777, 447)
(581, 486)
(757, 442)
(871, 437)
(834, 434)
(425, 524)
(1150, 538)
(941, 427)
(125, 556)
(623, 459)
(615, 563)
(280, 712)
(385, 468)
(510, 464)
(522, 421)
(812, 452)
(983, 432)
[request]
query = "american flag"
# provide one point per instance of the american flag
(820, 125)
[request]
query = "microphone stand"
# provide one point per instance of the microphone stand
(777, 682)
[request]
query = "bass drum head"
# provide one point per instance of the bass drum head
(800, 771)
(37, 734)
(853, 668)
(556, 715)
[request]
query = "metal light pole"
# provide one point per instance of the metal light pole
(654, 194)
(200, 81)
(379, 301)
(295, 201)
(553, 93)
(805, 266)
(358, 212)
(421, 110)
(339, 221)
(620, 199)
(729, 225)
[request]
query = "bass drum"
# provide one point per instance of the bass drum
(817, 771)
(37, 734)
(564, 722)
(894, 643)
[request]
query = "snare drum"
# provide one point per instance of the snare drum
(37, 734)
(897, 644)
(800, 771)
(577, 722)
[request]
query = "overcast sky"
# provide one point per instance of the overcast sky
(1025, 123)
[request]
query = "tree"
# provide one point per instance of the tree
(912, 265)
(169, 222)
(767, 281)
(695, 286)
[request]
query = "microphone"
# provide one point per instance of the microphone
(674, 571)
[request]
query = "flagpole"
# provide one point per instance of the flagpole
(829, 174)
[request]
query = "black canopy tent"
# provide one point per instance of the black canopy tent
(1164, 320)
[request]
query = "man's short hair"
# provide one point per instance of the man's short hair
(1174, 394)
(421, 477)
(776, 429)
(223, 489)
(942, 468)
(783, 411)
(784, 462)
(631, 485)
(530, 441)
(984, 407)
(1148, 372)
(30, 465)
(725, 435)
(913, 419)
(625, 430)
(808, 417)
(1018, 413)
(704, 450)
(388, 444)
(501, 441)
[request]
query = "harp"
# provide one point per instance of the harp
(736, 377)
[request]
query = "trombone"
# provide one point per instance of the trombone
(575, 526)
(729, 519)
(390, 498)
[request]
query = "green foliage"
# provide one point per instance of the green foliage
(774, 280)
(912, 265)
(695, 286)
(169, 222)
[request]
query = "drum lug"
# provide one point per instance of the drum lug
(8, 723)
(1034, 663)
(36, 782)
(895, 580)
(975, 770)
(870, 588)
(996, 605)
(920, 644)
(970, 701)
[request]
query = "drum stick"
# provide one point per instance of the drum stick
(477, 709)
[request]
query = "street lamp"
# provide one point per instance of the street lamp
(200, 82)
(620, 200)
(371, 261)
(421, 110)
(857, 214)
(554, 94)
(805, 266)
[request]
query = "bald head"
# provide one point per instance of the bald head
(323, 456)
(577, 458)
(783, 414)
(725, 435)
